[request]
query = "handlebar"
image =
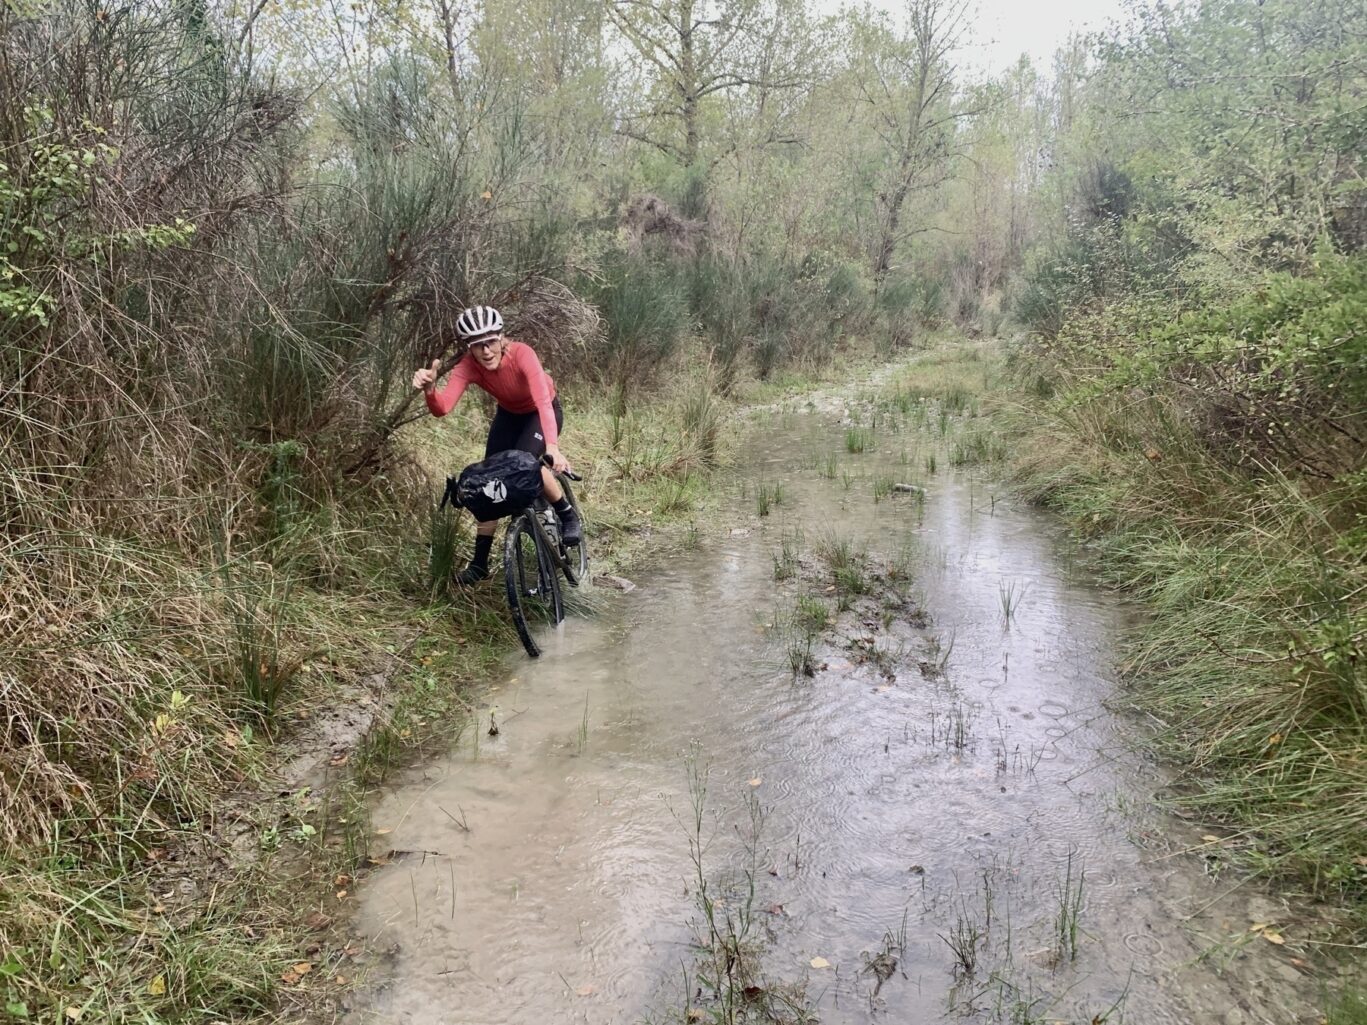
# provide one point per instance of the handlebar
(546, 460)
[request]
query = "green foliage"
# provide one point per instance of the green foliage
(1278, 377)
(720, 298)
(645, 316)
(1349, 1008)
(45, 186)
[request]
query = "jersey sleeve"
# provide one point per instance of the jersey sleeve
(539, 384)
(442, 400)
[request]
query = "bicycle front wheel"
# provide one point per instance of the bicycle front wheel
(532, 582)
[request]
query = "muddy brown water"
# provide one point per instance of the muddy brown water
(901, 813)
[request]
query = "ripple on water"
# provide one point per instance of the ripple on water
(1054, 709)
(1143, 944)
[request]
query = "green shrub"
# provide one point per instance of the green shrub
(645, 315)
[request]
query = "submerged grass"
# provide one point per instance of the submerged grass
(1255, 654)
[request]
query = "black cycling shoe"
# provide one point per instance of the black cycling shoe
(571, 529)
(472, 575)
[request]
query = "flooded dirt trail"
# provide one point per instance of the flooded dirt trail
(943, 823)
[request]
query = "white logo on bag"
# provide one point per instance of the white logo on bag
(495, 491)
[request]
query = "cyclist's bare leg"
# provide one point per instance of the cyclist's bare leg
(484, 529)
(550, 487)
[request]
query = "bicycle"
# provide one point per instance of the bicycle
(534, 557)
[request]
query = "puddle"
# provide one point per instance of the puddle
(901, 806)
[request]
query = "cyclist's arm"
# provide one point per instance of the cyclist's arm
(442, 401)
(540, 386)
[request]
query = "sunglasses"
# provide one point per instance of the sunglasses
(483, 343)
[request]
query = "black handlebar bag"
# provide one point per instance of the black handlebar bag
(502, 485)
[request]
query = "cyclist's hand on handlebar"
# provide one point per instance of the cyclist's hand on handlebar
(425, 377)
(557, 461)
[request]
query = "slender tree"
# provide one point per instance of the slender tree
(906, 81)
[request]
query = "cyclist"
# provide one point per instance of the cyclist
(528, 416)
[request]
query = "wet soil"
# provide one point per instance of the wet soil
(946, 821)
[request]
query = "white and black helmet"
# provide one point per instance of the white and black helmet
(478, 321)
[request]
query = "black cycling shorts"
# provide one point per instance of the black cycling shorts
(520, 430)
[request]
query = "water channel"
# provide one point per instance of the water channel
(954, 783)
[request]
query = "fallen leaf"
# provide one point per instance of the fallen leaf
(303, 968)
(585, 990)
(342, 880)
(755, 782)
(1210, 839)
(1258, 926)
(318, 920)
(382, 832)
(694, 1014)
(157, 987)
(775, 909)
(819, 962)
(341, 980)
(73, 1013)
(1273, 937)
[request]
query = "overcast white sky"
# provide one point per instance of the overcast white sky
(1001, 30)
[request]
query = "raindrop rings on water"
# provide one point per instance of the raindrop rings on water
(1143, 944)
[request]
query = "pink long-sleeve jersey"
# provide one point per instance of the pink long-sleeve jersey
(519, 385)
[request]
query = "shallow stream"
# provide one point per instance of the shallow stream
(951, 786)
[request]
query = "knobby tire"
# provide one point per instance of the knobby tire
(533, 585)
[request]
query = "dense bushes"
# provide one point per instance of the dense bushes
(1275, 379)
